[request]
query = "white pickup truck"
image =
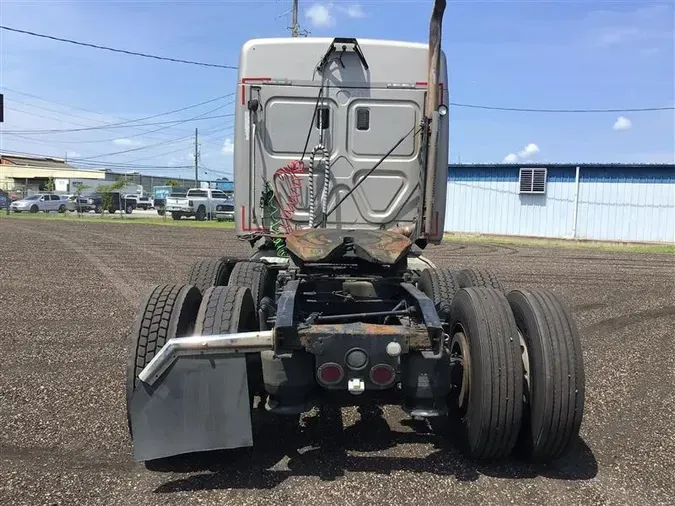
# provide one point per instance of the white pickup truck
(202, 203)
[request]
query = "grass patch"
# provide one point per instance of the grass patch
(164, 221)
(629, 247)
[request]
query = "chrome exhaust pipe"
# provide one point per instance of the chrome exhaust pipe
(431, 105)
(242, 342)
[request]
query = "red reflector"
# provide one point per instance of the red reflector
(382, 374)
(330, 373)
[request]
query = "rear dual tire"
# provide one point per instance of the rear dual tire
(488, 396)
(523, 345)
(168, 311)
(554, 387)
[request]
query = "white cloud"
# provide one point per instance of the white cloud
(73, 154)
(622, 123)
(527, 152)
(228, 147)
(324, 15)
(127, 142)
(353, 11)
(320, 15)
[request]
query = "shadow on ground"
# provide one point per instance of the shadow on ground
(315, 452)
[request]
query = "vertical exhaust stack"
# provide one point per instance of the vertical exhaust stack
(430, 110)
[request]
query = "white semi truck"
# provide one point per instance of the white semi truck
(340, 164)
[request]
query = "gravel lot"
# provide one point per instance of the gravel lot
(69, 294)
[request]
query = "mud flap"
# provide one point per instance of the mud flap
(198, 404)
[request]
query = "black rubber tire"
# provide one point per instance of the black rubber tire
(98, 209)
(492, 418)
(479, 277)
(230, 309)
(255, 276)
(210, 272)
(161, 212)
(168, 311)
(34, 209)
(440, 285)
(62, 209)
(129, 209)
(555, 402)
(176, 216)
(200, 215)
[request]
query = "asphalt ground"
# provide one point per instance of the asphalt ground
(69, 292)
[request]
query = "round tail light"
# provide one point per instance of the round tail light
(330, 373)
(382, 374)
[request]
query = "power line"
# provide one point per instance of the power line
(62, 104)
(106, 127)
(115, 50)
(524, 109)
(128, 123)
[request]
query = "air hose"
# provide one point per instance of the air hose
(312, 160)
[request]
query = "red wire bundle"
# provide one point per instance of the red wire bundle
(289, 173)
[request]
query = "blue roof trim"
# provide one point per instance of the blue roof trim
(582, 166)
(566, 173)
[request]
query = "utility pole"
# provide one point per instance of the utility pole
(296, 31)
(196, 158)
(294, 27)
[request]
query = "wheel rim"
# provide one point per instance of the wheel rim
(525, 356)
(461, 357)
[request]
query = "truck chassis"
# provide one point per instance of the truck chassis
(352, 318)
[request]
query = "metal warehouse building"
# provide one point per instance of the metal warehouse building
(602, 202)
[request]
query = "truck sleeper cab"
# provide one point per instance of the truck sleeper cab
(335, 108)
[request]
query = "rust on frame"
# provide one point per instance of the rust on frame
(416, 336)
(324, 245)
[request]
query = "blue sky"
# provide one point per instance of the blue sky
(534, 54)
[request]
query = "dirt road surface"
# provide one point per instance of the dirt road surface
(69, 292)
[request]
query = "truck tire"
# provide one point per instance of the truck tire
(200, 215)
(479, 277)
(129, 209)
(484, 338)
(176, 215)
(554, 381)
(230, 309)
(161, 212)
(62, 209)
(211, 272)
(440, 285)
(168, 311)
(253, 275)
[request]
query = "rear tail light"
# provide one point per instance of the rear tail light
(382, 374)
(330, 373)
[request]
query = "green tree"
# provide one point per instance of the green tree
(79, 188)
(106, 192)
(172, 183)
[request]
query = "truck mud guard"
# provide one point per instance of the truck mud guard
(193, 396)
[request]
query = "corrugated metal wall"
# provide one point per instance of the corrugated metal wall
(614, 203)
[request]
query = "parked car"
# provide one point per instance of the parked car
(117, 203)
(75, 204)
(225, 211)
(160, 193)
(201, 203)
(144, 203)
(40, 202)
